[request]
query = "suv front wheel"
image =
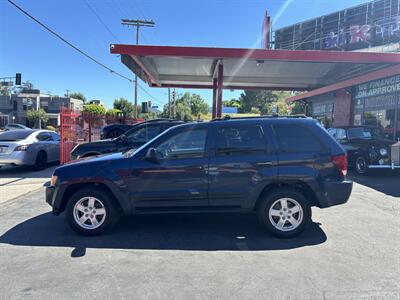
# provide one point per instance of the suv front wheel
(285, 212)
(91, 211)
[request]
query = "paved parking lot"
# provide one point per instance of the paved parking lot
(349, 252)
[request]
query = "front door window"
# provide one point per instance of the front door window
(188, 144)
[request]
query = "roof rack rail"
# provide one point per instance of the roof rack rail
(297, 116)
(159, 120)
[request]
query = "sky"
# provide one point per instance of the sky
(92, 25)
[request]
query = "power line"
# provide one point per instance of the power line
(151, 96)
(100, 20)
(79, 50)
(68, 43)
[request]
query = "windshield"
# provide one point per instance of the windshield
(16, 135)
(364, 133)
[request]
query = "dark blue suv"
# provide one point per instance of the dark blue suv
(276, 167)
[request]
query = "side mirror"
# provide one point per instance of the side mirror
(151, 155)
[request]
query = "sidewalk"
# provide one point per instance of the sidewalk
(17, 181)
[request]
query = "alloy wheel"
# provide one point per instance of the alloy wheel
(89, 213)
(286, 214)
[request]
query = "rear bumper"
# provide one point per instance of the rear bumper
(17, 158)
(335, 193)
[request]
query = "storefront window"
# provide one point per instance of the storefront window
(323, 112)
(384, 119)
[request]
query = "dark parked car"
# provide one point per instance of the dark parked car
(113, 131)
(133, 138)
(276, 167)
(366, 147)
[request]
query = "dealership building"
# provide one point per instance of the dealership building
(368, 99)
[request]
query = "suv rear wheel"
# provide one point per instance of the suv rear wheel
(285, 213)
(91, 211)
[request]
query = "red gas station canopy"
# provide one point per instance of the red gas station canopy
(195, 67)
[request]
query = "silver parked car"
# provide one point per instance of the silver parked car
(14, 126)
(29, 147)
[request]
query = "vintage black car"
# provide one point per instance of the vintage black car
(367, 148)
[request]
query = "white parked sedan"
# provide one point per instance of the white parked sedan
(29, 147)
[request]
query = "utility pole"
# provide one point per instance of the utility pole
(169, 103)
(174, 103)
(138, 23)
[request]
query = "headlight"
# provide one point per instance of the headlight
(383, 152)
(22, 148)
(53, 180)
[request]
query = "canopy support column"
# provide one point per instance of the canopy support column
(214, 103)
(220, 81)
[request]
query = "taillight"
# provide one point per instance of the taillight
(341, 162)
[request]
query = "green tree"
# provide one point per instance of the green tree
(183, 112)
(5, 91)
(39, 117)
(231, 103)
(94, 109)
(148, 116)
(258, 99)
(113, 112)
(297, 108)
(187, 107)
(124, 106)
(78, 95)
(197, 105)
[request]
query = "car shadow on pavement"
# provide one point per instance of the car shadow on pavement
(383, 181)
(202, 232)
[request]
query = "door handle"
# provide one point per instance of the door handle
(266, 163)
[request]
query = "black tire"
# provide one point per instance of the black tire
(111, 215)
(40, 161)
(271, 201)
(361, 165)
(114, 134)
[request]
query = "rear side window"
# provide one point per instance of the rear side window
(55, 136)
(296, 138)
(240, 140)
(44, 136)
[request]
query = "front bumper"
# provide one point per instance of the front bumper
(53, 196)
(335, 193)
(49, 194)
(391, 166)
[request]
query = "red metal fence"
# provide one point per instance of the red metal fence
(80, 127)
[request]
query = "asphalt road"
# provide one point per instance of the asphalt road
(349, 252)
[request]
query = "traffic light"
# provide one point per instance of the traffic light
(145, 107)
(18, 79)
